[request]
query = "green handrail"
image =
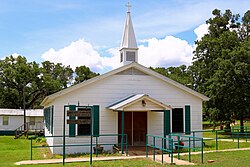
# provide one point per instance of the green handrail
(179, 136)
(163, 139)
(77, 145)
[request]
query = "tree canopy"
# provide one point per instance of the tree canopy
(83, 73)
(28, 83)
(221, 66)
(181, 74)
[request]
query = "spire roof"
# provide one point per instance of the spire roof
(128, 38)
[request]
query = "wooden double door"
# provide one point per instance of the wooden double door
(135, 126)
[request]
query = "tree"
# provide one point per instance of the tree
(221, 66)
(18, 79)
(181, 74)
(83, 73)
(25, 84)
(59, 73)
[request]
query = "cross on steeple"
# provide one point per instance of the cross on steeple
(128, 6)
(129, 50)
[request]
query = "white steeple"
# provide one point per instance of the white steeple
(129, 50)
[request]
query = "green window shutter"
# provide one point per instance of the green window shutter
(52, 117)
(187, 119)
(166, 122)
(48, 118)
(72, 127)
(96, 121)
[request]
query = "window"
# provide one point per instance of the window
(85, 128)
(32, 121)
(177, 120)
(82, 118)
(5, 120)
(48, 117)
(121, 57)
(130, 56)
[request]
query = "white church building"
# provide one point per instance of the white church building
(132, 99)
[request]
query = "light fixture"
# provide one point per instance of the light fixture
(143, 103)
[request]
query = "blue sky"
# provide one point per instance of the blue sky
(44, 29)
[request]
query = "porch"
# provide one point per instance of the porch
(138, 115)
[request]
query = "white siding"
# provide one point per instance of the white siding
(113, 88)
(15, 122)
(155, 126)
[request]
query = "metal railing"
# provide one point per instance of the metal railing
(96, 143)
(241, 131)
(29, 127)
(163, 149)
(190, 146)
(235, 134)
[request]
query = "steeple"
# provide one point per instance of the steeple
(129, 50)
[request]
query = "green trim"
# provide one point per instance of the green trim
(167, 125)
(96, 124)
(72, 127)
(7, 132)
(48, 117)
(122, 141)
(166, 122)
(187, 119)
(52, 119)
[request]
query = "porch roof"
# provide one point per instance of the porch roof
(126, 104)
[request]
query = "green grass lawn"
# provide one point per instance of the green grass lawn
(211, 144)
(222, 159)
(210, 125)
(12, 151)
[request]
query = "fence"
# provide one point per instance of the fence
(96, 143)
(191, 146)
(34, 127)
(163, 149)
(221, 135)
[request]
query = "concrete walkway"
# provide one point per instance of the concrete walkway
(87, 159)
(158, 158)
(167, 159)
(67, 160)
(228, 140)
(198, 152)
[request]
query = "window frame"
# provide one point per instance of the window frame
(4, 120)
(130, 56)
(49, 118)
(183, 120)
(33, 122)
(121, 57)
(82, 125)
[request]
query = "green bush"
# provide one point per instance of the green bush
(41, 140)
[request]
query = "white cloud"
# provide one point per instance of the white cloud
(80, 53)
(15, 55)
(166, 52)
(76, 54)
(113, 61)
(201, 31)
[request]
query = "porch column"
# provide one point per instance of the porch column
(122, 141)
